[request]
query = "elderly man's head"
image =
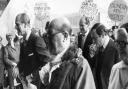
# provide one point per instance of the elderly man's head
(22, 22)
(59, 35)
(84, 24)
(122, 41)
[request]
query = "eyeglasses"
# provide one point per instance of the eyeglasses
(122, 44)
(52, 35)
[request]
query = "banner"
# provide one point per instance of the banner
(88, 9)
(117, 10)
(42, 14)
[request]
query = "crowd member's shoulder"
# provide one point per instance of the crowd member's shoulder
(119, 65)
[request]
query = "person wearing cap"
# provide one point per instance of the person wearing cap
(2, 66)
(119, 73)
(11, 58)
(106, 56)
(68, 69)
(34, 53)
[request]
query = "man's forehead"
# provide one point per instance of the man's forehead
(58, 25)
(54, 30)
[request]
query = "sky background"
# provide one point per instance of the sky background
(58, 7)
(62, 7)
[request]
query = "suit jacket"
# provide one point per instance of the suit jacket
(72, 75)
(85, 49)
(104, 62)
(33, 54)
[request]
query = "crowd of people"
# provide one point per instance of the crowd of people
(92, 59)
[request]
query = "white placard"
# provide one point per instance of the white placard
(117, 10)
(88, 9)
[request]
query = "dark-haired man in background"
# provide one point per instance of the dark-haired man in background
(106, 57)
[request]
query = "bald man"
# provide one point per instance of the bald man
(68, 69)
(84, 39)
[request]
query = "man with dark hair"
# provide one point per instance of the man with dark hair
(34, 53)
(84, 38)
(106, 57)
(68, 69)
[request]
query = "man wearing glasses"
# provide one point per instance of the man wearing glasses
(68, 69)
(119, 73)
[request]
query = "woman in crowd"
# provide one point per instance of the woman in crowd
(119, 73)
(11, 57)
(1, 64)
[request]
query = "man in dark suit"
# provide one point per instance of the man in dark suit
(106, 57)
(84, 39)
(34, 53)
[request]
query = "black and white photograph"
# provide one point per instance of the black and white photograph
(63, 44)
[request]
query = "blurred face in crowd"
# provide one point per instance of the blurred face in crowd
(98, 40)
(83, 24)
(58, 40)
(123, 46)
(10, 38)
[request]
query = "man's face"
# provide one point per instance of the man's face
(57, 42)
(83, 27)
(98, 40)
(21, 28)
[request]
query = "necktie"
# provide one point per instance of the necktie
(101, 49)
(25, 42)
(46, 78)
(83, 41)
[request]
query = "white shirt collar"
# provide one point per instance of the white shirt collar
(28, 35)
(87, 33)
(106, 41)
